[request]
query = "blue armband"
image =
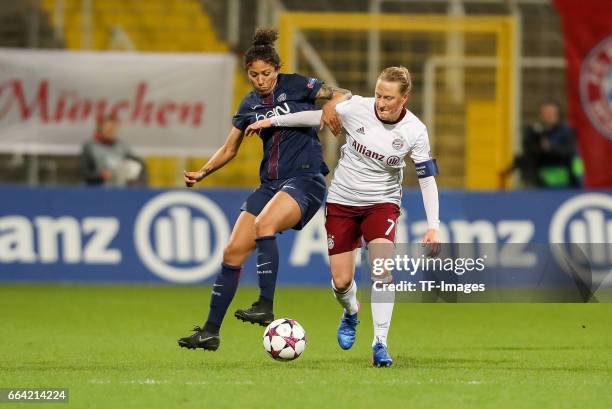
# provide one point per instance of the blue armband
(426, 169)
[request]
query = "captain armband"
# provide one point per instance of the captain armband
(426, 169)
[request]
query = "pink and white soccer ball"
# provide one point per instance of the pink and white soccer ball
(284, 339)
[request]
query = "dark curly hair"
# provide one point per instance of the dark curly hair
(263, 48)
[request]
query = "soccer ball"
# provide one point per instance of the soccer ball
(284, 339)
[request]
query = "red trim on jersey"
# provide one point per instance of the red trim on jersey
(402, 115)
(274, 155)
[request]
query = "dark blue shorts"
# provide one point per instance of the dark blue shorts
(308, 191)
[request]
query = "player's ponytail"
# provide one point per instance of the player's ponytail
(263, 48)
(398, 74)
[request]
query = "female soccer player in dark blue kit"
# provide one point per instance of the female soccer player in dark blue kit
(292, 183)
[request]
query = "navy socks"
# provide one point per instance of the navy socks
(223, 292)
(267, 268)
(226, 284)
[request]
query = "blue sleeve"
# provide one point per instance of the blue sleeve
(306, 87)
(241, 118)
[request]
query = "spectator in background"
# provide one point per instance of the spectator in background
(107, 161)
(550, 158)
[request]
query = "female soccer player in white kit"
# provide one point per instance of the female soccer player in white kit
(365, 194)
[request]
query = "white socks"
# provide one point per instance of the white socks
(382, 311)
(347, 299)
(381, 317)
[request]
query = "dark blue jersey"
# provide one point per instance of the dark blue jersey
(288, 152)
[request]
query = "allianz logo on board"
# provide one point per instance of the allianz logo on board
(174, 235)
(583, 224)
(180, 235)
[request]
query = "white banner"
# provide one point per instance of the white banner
(167, 104)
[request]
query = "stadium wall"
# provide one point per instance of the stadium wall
(177, 236)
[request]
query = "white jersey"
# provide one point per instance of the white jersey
(370, 169)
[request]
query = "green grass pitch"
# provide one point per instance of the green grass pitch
(115, 347)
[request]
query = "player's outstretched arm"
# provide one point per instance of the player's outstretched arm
(330, 117)
(223, 155)
(293, 120)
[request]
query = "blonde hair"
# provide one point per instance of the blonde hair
(398, 74)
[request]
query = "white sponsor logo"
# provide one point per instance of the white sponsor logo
(505, 242)
(64, 239)
(584, 221)
(170, 238)
(276, 111)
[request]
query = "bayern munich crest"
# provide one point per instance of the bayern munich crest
(596, 86)
(330, 241)
(398, 143)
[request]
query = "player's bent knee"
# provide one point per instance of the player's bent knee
(343, 283)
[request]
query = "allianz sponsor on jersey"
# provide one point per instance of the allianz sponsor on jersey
(365, 151)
